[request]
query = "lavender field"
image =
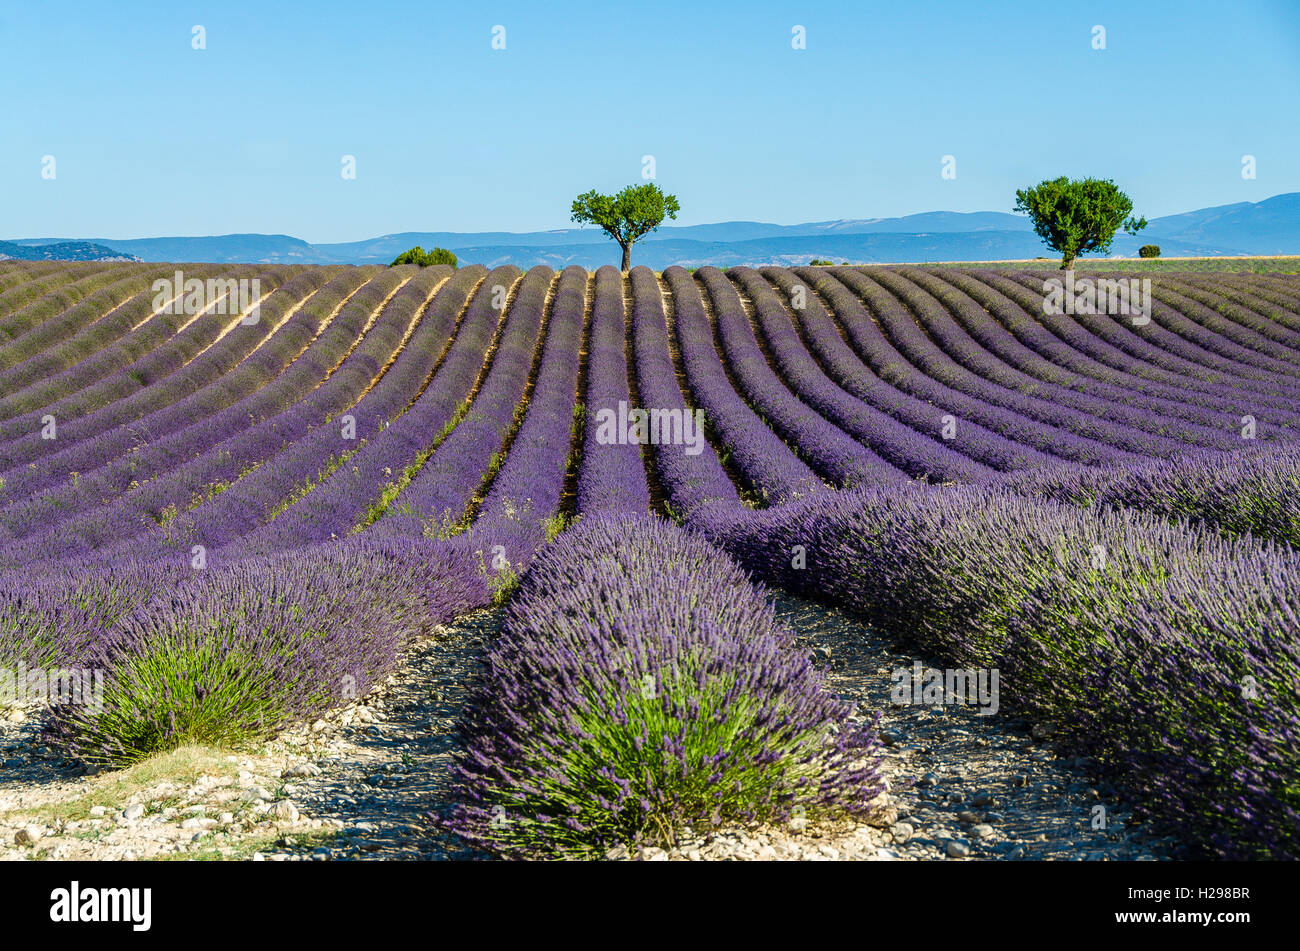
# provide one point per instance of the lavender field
(236, 519)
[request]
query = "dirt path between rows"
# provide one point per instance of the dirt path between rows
(358, 785)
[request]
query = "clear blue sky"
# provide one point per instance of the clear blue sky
(152, 137)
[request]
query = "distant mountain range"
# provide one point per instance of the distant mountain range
(1266, 227)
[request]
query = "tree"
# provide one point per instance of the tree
(1074, 218)
(1149, 251)
(628, 216)
(417, 255)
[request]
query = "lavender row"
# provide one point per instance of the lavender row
(56, 317)
(85, 362)
(77, 396)
(16, 273)
(1069, 434)
(1136, 367)
(439, 496)
(30, 304)
(769, 467)
(526, 491)
(690, 478)
(1244, 321)
(341, 502)
(136, 322)
(1283, 292)
(1170, 349)
(234, 655)
(1170, 354)
(160, 504)
(229, 374)
(1164, 419)
(198, 456)
(1161, 649)
(1278, 313)
(826, 448)
(20, 286)
(31, 460)
(641, 683)
(1247, 492)
(612, 477)
(1223, 334)
(911, 451)
(972, 438)
(374, 425)
(1077, 413)
(927, 373)
(357, 492)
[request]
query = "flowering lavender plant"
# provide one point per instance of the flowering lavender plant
(640, 683)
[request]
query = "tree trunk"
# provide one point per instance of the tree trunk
(627, 258)
(1067, 261)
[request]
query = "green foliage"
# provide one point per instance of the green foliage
(821, 262)
(501, 581)
(417, 255)
(1149, 251)
(151, 704)
(332, 465)
(628, 216)
(1078, 217)
(392, 490)
(556, 524)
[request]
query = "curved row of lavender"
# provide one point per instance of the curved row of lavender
(921, 362)
(641, 682)
(1123, 357)
(989, 446)
(67, 306)
(22, 282)
(248, 360)
(1181, 343)
(1061, 349)
(149, 384)
(775, 473)
(218, 448)
(464, 413)
(612, 477)
(1162, 649)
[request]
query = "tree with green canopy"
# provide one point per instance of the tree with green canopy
(628, 216)
(1074, 218)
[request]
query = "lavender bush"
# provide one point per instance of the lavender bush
(1161, 648)
(236, 654)
(641, 682)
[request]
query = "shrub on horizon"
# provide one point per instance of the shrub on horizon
(417, 255)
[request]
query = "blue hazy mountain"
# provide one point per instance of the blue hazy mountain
(1266, 227)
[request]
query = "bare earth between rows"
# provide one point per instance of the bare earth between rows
(358, 785)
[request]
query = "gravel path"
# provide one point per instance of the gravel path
(356, 786)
